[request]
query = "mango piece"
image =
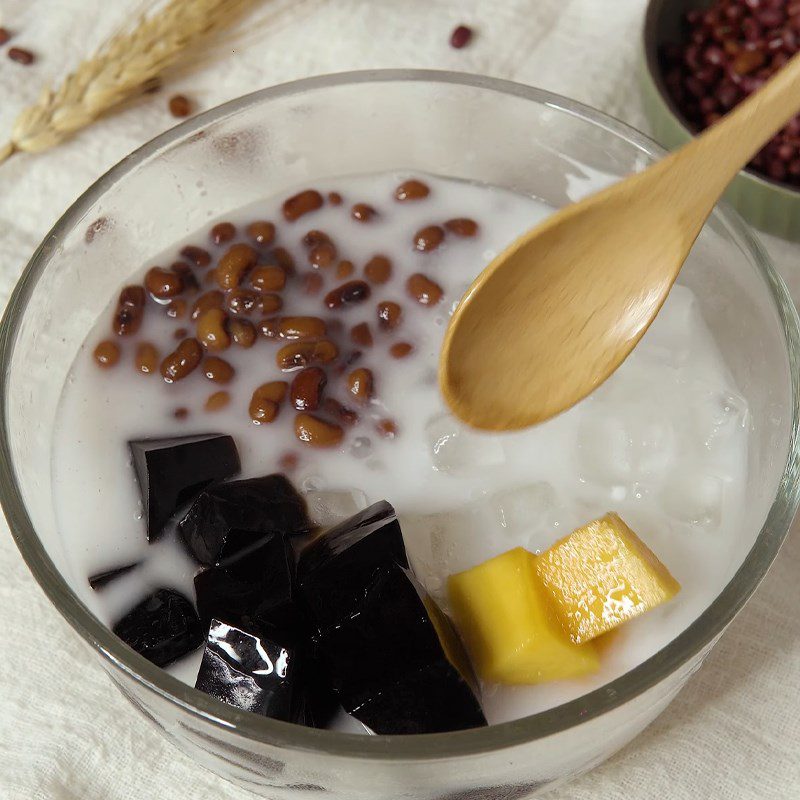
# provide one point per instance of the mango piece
(511, 634)
(602, 575)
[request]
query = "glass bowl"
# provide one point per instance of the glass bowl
(468, 127)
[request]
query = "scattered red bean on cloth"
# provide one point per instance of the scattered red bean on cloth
(460, 37)
(728, 51)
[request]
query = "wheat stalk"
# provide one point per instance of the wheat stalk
(119, 69)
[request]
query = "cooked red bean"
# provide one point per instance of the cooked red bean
(322, 255)
(242, 302)
(293, 327)
(181, 413)
(242, 332)
(268, 278)
(197, 255)
(462, 226)
(389, 315)
(312, 283)
(176, 309)
(182, 361)
(21, 56)
(217, 401)
(266, 401)
(301, 203)
(261, 232)
(218, 370)
(348, 294)
(130, 310)
(344, 269)
(424, 290)
(180, 333)
(460, 37)
(387, 428)
(212, 299)
(307, 387)
(378, 269)
(401, 350)
(5, 35)
(283, 258)
(187, 275)
(361, 335)
(270, 303)
(361, 385)
(315, 237)
(288, 462)
(334, 198)
(163, 283)
(429, 238)
(306, 352)
(106, 354)
(180, 106)
(362, 212)
(412, 190)
(222, 232)
(341, 413)
(317, 432)
(212, 330)
(146, 358)
(238, 260)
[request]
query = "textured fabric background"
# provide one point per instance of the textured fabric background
(65, 732)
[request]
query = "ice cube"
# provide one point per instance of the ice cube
(694, 497)
(669, 340)
(326, 508)
(720, 416)
(457, 449)
(523, 508)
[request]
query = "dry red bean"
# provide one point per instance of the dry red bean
(462, 226)
(424, 290)
(187, 275)
(378, 269)
(238, 260)
(401, 350)
(307, 387)
(460, 37)
(217, 401)
(293, 327)
(223, 232)
(5, 35)
(130, 310)
(146, 358)
(182, 361)
(361, 384)
(180, 333)
(181, 413)
(21, 56)
(429, 238)
(361, 212)
(344, 269)
(361, 335)
(180, 106)
(266, 402)
(387, 428)
(348, 294)
(162, 283)
(242, 302)
(261, 232)
(198, 256)
(212, 330)
(306, 352)
(288, 462)
(212, 299)
(283, 258)
(218, 370)
(301, 203)
(412, 190)
(176, 309)
(312, 283)
(106, 354)
(389, 315)
(268, 278)
(334, 198)
(317, 432)
(242, 332)
(270, 303)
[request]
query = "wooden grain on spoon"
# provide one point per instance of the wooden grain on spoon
(558, 311)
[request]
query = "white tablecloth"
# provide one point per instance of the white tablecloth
(65, 732)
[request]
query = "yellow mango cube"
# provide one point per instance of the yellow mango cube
(601, 575)
(511, 634)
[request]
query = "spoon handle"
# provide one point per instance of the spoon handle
(715, 157)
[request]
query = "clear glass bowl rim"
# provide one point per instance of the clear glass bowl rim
(420, 747)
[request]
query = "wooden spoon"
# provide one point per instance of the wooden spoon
(559, 310)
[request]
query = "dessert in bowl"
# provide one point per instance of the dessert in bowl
(310, 242)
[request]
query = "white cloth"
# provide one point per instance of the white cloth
(65, 731)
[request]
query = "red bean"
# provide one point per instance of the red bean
(460, 37)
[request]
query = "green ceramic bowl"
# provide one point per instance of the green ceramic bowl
(766, 204)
